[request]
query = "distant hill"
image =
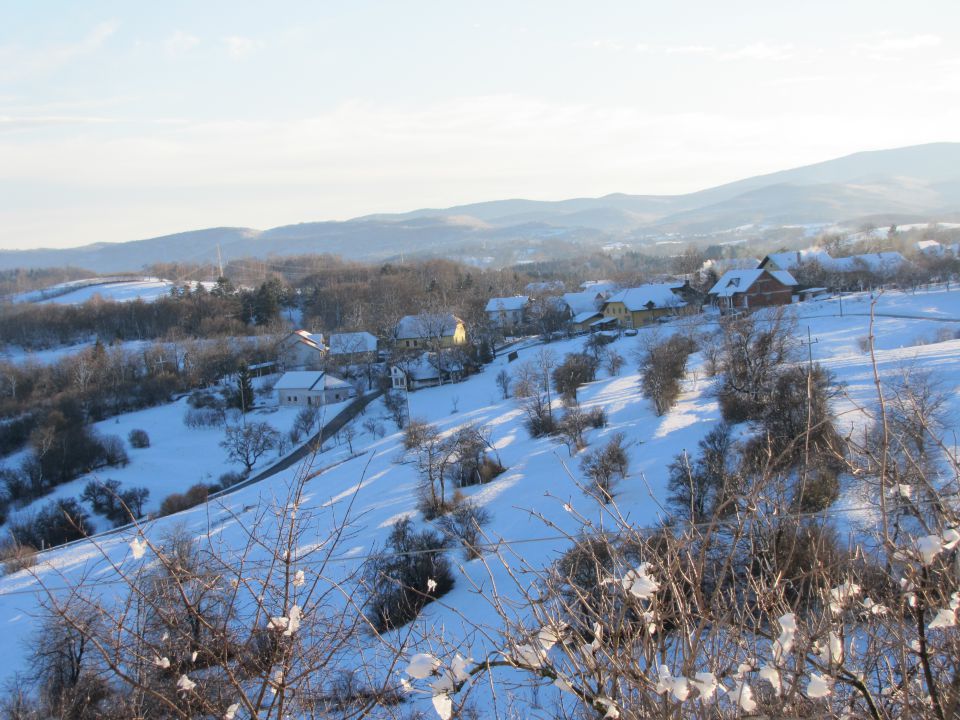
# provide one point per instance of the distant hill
(922, 181)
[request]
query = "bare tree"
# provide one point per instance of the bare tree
(246, 444)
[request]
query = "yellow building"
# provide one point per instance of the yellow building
(635, 307)
(430, 331)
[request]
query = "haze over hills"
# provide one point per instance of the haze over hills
(915, 182)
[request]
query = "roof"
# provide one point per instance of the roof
(309, 380)
(298, 380)
(581, 302)
(648, 297)
(426, 325)
(425, 366)
(516, 302)
(738, 281)
(314, 340)
(880, 261)
(584, 316)
(352, 342)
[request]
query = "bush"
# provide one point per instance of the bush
(204, 417)
(575, 370)
(202, 399)
(229, 479)
(606, 466)
(58, 522)
(662, 367)
(138, 439)
(596, 418)
(114, 453)
(464, 524)
(412, 572)
(16, 556)
(177, 502)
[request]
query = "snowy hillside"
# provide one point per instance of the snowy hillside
(541, 478)
(77, 292)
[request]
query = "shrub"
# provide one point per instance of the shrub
(662, 367)
(204, 417)
(114, 453)
(412, 572)
(464, 524)
(229, 479)
(57, 522)
(606, 466)
(575, 370)
(16, 556)
(203, 399)
(139, 439)
(176, 502)
(596, 417)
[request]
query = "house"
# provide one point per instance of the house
(301, 350)
(353, 348)
(747, 289)
(815, 265)
(638, 306)
(311, 388)
(425, 370)
(507, 312)
(584, 308)
(429, 331)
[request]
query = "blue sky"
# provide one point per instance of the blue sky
(123, 120)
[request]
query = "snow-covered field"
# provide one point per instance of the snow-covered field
(541, 477)
(78, 292)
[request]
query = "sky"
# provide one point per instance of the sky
(122, 120)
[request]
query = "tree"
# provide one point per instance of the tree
(708, 485)
(503, 382)
(663, 365)
(245, 444)
(243, 395)
(606, 466)
(575, 370)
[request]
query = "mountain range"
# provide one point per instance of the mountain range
(910, 184)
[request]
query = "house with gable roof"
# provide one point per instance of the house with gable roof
(638, 306)
(507, 312)
(429, 331)
(311, 388)
(748, 289)
(301, 350)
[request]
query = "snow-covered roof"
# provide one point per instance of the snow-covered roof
(599, 285)
(738, 281)
(309, 380)
(314, 340)
(425, 366)
(795, 258)
(426, 325)
(581, 302)
(875, 262)
(298, 380)
(515, 302)
(352, 342)
(584, 316)
(646, 297)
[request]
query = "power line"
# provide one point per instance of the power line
(497, 545)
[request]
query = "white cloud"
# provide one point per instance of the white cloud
(180, 42)
(18, 62)
(760, 51)
(239, 46)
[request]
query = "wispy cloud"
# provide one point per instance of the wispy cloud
(760, 51)
(18, 62)
(887, 44)
(180, 42)
(239, 46)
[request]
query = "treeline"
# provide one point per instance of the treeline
(20, 280)
(48, 407)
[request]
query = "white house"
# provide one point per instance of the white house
(507, 312)
(301, 350)
(311, 388)
(425, 370)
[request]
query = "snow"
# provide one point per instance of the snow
(734, 281)
(644, 297)
(541, 478)
(78, 292)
